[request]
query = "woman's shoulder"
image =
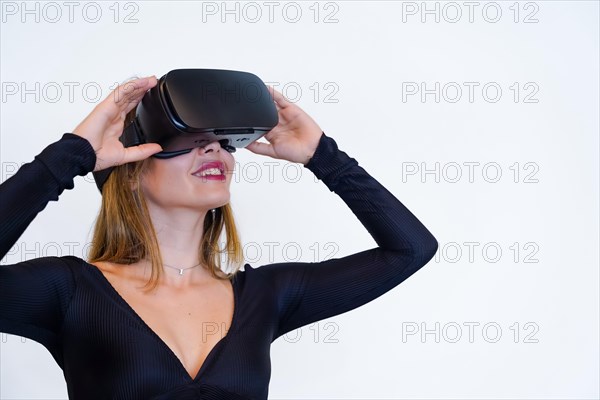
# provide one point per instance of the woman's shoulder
(104, 266)
(101, 265)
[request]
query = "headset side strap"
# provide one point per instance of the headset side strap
(132, 135)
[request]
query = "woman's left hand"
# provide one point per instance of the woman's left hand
(294, 138)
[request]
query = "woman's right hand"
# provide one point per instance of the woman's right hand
(105, 124)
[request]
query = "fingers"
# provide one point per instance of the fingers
(129, 94)
(281, 101)
(126, 96)
(140, 152)
(264, 149)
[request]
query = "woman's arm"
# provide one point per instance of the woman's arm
(34, 294)
(25, 194)
(309, 292)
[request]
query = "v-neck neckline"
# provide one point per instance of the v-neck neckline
(161, 342)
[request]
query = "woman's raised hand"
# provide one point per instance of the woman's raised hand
(296, 136)
(105, 124)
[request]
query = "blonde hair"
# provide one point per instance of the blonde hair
(124, 233)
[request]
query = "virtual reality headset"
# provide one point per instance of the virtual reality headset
(190, 108)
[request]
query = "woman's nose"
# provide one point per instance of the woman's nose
(214, 145)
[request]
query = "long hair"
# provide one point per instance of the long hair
(124, 233)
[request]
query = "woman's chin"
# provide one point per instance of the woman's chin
(211, 201)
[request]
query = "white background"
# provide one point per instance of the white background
(542, 292)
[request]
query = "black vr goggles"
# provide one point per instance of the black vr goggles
(190, 108)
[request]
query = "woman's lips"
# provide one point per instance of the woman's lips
(215, 166)
(210, 164)
(211, 177)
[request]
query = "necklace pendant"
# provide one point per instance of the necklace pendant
(180, 271)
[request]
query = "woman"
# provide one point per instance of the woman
(197, 332)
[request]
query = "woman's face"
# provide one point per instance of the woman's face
(170, 182)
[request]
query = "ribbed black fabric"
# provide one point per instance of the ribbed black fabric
(108, 352)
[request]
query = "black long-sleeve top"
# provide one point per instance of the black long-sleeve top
(107, 351)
